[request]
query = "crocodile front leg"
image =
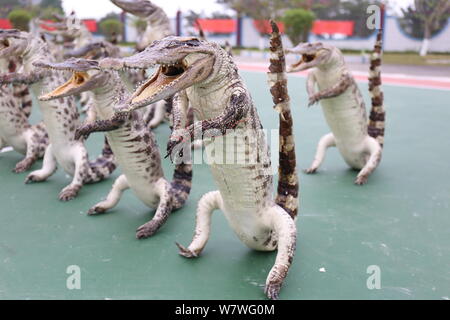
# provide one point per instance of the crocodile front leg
(100, 126)
(234, 112)
(344, 83)
(25, 78)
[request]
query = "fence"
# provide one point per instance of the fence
(245, 34)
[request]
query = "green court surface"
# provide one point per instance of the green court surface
(399, 222)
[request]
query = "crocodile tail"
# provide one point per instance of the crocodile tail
(288, 183)
(102, 167)
(377, 113)
(182, 176)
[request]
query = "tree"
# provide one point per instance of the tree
(6, 6)
(298, 23)
(51, 4)
(426, 18)
(139, 24)
(20, 19)
(268, 9)
(110, 28)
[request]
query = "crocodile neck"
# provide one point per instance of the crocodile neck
(134, 146)
(216, 90)
(60, 116)
(108, 94)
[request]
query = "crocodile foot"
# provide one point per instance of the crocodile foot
(95, 210)
(147, 230)
(22, 166)
(185, 252)
(361, 180)
(33, 178)
(310, 170)
(68, 194)
(272, 290)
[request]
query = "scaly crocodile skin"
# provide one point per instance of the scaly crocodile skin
(60, 118)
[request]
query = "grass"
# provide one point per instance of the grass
(415, 59)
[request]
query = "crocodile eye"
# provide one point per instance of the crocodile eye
(193, 43)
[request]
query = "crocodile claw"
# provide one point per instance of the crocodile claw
(23, 166)
(171, 145)
(272, 290)
(147, 230)
(185, 252)
(95, 210)
(361, 180)
(68, 194)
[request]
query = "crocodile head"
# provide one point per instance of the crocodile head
(13, 43)
(181, 63)
(86, 76)
(94, 51)
(140, 8)
(312, 55)
(70, 27)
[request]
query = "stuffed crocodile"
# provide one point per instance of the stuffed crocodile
(133, 145)
(60, 117)
(359, 141)
(203, 74)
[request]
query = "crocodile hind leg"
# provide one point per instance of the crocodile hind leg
(284, 227)
(325, 142)
(32, 154)
(163, 211)
(81, 162)
(207, 204)
(375, 151)
(48, 167)
(113, 198)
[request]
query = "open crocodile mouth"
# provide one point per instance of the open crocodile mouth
(77, 80)
(305, 59)
(166, 76)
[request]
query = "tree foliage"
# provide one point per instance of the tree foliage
(57, 4)
(425, 18)
(111, 27)
(298, 23)
(267, 9)
(20, 19)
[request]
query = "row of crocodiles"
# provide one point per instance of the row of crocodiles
(200, 78)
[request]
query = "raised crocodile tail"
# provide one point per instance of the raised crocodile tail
(102, 167)
(182, 176)
(288, 184)
(377, 113)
